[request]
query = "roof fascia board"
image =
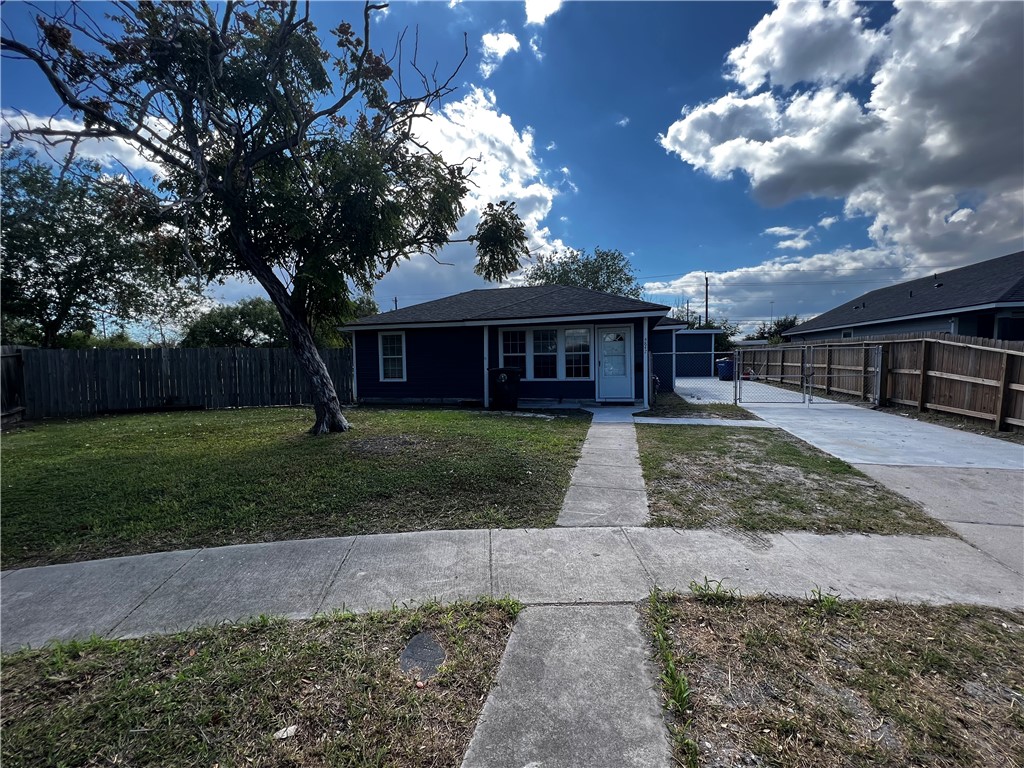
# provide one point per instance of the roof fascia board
(954, 311)
(514, 321)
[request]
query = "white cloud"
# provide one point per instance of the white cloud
(805, 42)
(623, 122)
(551, 145)
(495, 46)
(783, 231)
(504, 166)
(804, 285)
(115, 154)
(535, 47)
(798, 239)
(932, 156)
(538, 11)
(828, 221)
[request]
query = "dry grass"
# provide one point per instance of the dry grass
(671, 405)
(765, 481)
(829, 683)
(217, 696)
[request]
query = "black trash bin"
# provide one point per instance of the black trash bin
(504, 388)
(725, 369)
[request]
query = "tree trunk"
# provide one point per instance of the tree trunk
(326, 405)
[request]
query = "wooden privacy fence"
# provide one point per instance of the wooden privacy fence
(983, 380)
(73, 382)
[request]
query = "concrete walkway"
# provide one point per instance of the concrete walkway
(607, 486)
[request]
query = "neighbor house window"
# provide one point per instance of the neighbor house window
(513, 350)
(545, 353)
(577, 353)
(847, 334)
(392, 356)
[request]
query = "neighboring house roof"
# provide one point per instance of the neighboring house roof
(670, 323)
(524, 303)
(994, 282)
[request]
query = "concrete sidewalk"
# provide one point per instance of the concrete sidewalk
(173, 591)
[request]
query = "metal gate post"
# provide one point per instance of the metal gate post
(805, 376)
(737, 360)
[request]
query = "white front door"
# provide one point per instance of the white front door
(615, 363)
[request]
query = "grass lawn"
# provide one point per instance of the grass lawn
(127, 484)
(671, 405)
(824, 682)
(217, 696)
(765, 480)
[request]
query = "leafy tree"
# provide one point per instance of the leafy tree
(605, 270)
(365, 306)
(77, 246)
(773, 331)
(291, 157)
(249, 323)
(117, 340)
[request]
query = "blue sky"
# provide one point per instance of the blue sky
(800, 153)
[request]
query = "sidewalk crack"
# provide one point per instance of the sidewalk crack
(156, 589)
(329, 584)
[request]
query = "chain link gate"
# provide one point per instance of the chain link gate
(821, 373)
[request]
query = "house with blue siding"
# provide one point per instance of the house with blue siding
(569, 344)
(985, 299)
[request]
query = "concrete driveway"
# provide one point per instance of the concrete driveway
(972, 483)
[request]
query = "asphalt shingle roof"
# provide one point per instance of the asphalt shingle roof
(512, 304)
(994, 281)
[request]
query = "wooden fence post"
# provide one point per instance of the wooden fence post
(882, 376)
(922, 385)
(1004, 385)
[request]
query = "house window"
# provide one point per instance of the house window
(847, 334)
(577, 353)
(548, 354)
(545, 353)
(392, 356)
(513, 350)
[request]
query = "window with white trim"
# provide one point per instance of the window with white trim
(548, 354)
(577, 353)
(545, 353)
(392, 356)
(513, 350)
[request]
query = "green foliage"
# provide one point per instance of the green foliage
(289, 161)
(249, 323)
(78, 248)
(81, 340)
(773, 331)
(713, 591)
(605, 270)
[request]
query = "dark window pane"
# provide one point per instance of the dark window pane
(545, 366)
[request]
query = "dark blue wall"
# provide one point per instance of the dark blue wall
(448, 364)
(441, 364)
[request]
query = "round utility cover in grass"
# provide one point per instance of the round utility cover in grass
(422, 654)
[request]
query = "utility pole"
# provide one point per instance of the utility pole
(396, 302)
(707, 317)
(772, 321)
(687, 311)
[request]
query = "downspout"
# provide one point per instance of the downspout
(355, 371)
(487, 382)
(647, 377)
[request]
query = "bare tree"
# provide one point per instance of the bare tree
(294, 162)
